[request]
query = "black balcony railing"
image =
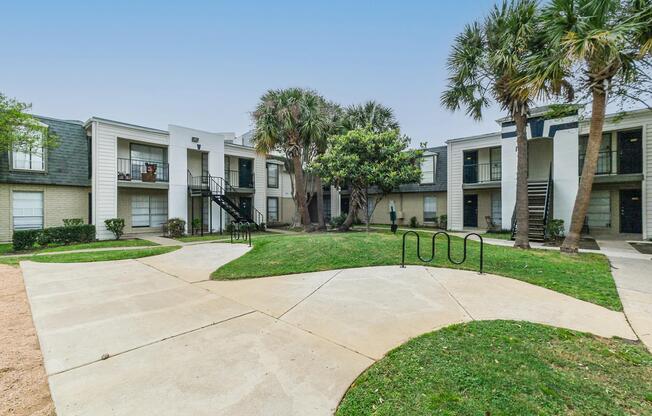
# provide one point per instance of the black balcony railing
(133, 170)
(239, 179)
(482, 173)
(613, 162)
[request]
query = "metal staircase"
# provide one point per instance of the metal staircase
(539, 195)
(221, 192)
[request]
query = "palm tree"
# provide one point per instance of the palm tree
(611, 42)
(489, 60)
(377, 118)
(288, 121)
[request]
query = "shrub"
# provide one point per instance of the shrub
(262, 226)
(176, 227)
(70, 222)
(413, 222)
(337, 222)
(230, 227)
(116, 226)
(196, 224)
(555, 229)
(443, 221)
(83, 233)
(24, 239)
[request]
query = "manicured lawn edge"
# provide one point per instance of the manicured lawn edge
(6, 249)
(90, 256)
(584, 276)
(505, 367)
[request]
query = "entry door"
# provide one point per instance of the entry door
(244, 173)
(630, 211)
(470, 210)
(630, 152)
(245, 206)
(471, 166)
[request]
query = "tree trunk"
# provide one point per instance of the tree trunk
(353, 209)
(320, 203)
(300, 193)
(522, 239)
(367, 216)
(598, 107)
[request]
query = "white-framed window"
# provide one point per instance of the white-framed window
(428, 168)
(27, 210)
(496, 209)
(25, 157)
(149, 210)
(272, 175)
(272, 209)
(429, 209)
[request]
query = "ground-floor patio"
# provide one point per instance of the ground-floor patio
(155, 336)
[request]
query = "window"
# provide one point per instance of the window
(429, 209)
(147, 153)
(428, 169)
(28, 210)
(149, 210)
(496, 209)
(272, 209)
(272, 175)
(28, 158)
(599, 212)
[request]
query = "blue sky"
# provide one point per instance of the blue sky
(205, 64)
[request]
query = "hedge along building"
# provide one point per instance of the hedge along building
(105, 169)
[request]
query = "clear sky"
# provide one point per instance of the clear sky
(205, 64)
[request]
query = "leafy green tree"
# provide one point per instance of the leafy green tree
(609, 44)
(489, 61)
(362, 159)
(288, 121)
(370, 115)
(18, 128)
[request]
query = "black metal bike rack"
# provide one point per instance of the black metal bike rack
(238, 234)
(448, 238)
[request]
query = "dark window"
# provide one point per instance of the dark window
(272, 175)
(272, 209)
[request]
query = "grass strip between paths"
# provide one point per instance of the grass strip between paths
(584, 276)
(90, 256)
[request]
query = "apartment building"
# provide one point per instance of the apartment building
(105, 169)
(482, 175)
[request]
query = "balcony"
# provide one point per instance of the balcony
(482, 173)
(136, 170)
(239, 179)
(615, 162)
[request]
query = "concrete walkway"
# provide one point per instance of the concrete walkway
(136, 337)
(632, 272)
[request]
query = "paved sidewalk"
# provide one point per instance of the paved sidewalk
(288, 345)
(632, 272)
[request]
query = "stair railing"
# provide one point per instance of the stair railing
(546, 205)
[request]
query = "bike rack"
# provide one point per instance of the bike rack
(448, 238)
(237, 235)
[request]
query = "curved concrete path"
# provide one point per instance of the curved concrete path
(288, 345)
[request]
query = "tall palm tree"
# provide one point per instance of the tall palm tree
(610, 41)
(373, 116)
(288, 121)
(488, 62)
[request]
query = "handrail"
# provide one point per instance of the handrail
(546, 204)
(448, 238)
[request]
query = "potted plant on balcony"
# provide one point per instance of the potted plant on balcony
(121, 176)
(150, 174)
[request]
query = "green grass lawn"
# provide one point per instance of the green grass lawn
(505, 368)
(584, 276)
(90, 256)
(7, 249)
(500, 235)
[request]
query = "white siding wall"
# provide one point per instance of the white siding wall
(455, 193)
(647, 182)
(104, 179)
